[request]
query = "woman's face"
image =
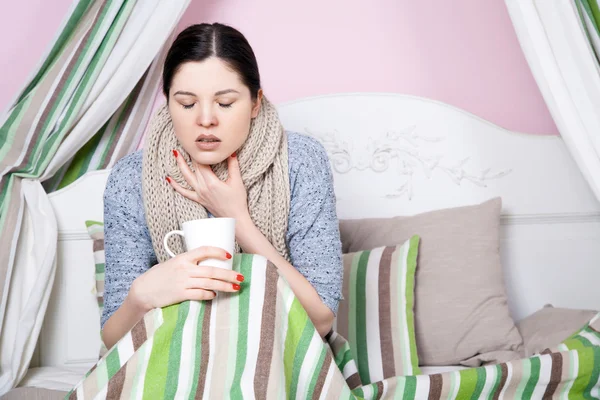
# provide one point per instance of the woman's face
(211, 110)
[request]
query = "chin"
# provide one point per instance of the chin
(208, 157)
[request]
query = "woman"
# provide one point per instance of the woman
(218, 149)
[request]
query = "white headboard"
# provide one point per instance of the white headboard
(391, 155)
(70, 335)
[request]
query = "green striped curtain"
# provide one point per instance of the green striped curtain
(86, 107)
(120, 135)
(589, 11)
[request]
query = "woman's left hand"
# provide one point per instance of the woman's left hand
(221, 199)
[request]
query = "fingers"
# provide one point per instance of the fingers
(199, 294)
(233, 165)
(213, 284)
(226, 275)
(187, 173)
(206, 176)
(189, 194)
(204, 252)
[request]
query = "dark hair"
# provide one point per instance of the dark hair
(201, 41)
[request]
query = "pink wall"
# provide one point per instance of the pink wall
(463, 52)
(27, 29)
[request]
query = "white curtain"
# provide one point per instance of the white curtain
(134, 60)
(561, 44)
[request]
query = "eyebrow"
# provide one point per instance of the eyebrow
(184, 93)
(219, 93)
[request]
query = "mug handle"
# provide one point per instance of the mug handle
(166, 239)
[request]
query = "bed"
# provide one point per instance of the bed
(391, 155)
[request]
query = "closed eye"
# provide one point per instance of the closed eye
(223, 105)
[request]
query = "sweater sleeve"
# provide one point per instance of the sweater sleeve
(313, 229)
(127, 242)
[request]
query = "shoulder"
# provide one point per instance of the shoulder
(309, 167)
(128, 166)
(305, 152)
(126, 176)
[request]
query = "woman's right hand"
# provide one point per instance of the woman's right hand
(180, 279)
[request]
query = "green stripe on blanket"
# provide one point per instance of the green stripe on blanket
(260, 343)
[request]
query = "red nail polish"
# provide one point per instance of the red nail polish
(234, 155)
(236, 286)
(175, 153)
(228, 256)
(168, 179)
(240, 278)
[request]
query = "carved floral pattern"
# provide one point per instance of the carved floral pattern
(400, 150)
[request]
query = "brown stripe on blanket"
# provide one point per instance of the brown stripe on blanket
(98, 245)
(503, 377)
(555, 375)
(267, 336)
(73, 395)
(322, 376)
(435, 386)
(138, 334)
(379, 390)
(336, 342)
(205, 353)
(353, 381)
(115, 384)
(385, 322)
(344, 305)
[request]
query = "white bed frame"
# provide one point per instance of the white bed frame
(391, 155)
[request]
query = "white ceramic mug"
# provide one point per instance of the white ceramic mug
(216, 232)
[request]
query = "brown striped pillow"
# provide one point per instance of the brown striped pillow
(376, 314)
(96, 231)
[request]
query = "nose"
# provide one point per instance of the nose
(206, 116)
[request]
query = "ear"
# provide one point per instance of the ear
(257, 103)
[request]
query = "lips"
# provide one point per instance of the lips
(207, 142)
(207, 139)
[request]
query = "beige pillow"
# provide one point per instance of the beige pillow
(33, 393)
(461, 311)
(548, 327)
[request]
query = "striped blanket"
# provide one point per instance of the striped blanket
(260, 343)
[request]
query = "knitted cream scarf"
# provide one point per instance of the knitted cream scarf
(263, 163)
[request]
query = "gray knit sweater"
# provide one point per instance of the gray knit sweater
(312, 237)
